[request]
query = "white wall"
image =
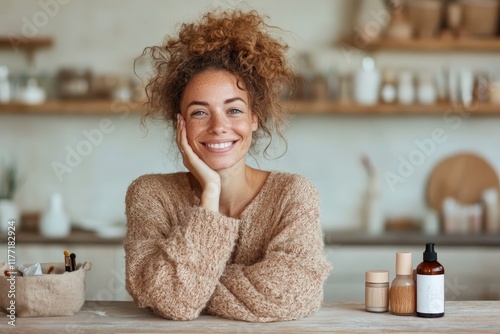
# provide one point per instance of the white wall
(107, 35)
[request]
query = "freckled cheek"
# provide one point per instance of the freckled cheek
(245, 129)
(192, 132)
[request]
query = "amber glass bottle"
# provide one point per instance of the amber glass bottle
(430, 285)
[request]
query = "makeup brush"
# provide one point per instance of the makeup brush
(67, 261)
(73, 261)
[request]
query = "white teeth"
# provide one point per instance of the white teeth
(220, 145)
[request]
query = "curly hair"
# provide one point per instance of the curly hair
(238, 42)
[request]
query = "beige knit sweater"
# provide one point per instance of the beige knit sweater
(182, 260)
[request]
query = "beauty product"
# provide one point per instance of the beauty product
(73, 261)
(402, 293)
(430, 285)
(67, 261)
(377, 291)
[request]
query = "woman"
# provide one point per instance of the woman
(224, 238)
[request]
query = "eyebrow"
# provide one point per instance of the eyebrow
(203, 103)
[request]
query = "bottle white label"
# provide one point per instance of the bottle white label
(430, 294)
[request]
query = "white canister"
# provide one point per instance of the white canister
(55, 222)
(426, 91)
(5, 91)
(367, 83)
(406, 88)
(8, 212)
(466, 86)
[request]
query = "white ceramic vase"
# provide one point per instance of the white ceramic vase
(55, 222)
(8, 212)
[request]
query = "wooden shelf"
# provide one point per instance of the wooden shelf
(351, 109)
(351, 238)
(432, 45)
(28, 43)
(296, 107)
(71, 107)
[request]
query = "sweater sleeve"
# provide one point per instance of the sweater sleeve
(173, 266)
(288, 282)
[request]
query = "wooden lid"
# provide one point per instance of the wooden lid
(464, 177)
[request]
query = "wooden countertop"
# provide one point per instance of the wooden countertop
(125, 317)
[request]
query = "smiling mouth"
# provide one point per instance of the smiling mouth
(219, 146)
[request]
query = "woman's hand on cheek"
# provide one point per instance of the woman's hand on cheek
(207, 177)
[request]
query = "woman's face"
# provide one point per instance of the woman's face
(219, 122)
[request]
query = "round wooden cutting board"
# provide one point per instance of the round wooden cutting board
(463, 177)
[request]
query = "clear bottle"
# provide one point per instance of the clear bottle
(5, 92)
(402, 298)
(377, 291)
(430, 285)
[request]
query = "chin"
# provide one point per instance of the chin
(220, 164)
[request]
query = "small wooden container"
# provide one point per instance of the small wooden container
(377, 291)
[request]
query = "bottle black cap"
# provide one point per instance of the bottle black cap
(430, 255)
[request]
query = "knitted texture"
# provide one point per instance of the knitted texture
(182, 260)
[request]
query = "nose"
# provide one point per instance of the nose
(218, 124)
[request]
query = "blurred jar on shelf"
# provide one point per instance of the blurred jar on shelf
(32, 92)
(306, 76)
(406, 87)
(333, 82)
(482, 87)
(123, 91)
(466, 87)
(73, 83)
(367, 83)
(426, 90)
(388, 92)
(425, 17)
(494, 88)
(479, 17)
(5, 88)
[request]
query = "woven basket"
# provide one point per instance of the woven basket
(480, 17)
(61, 293)
(425, 17)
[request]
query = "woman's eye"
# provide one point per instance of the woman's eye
(234, 111)
(198, 113)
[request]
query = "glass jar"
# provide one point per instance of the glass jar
(377, 291)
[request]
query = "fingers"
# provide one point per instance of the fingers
(181, 137)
